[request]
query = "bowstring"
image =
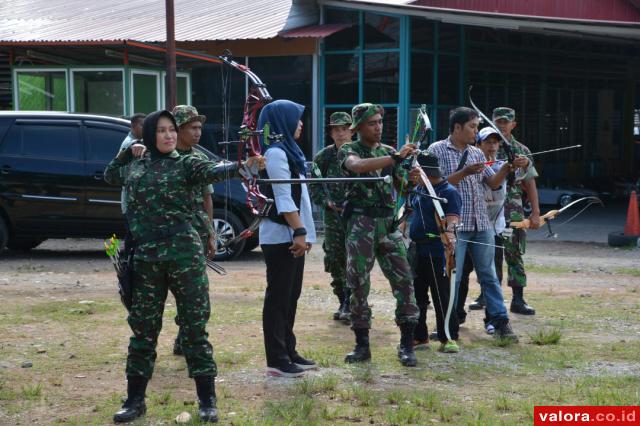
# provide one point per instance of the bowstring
(577, 214)
(225, 75)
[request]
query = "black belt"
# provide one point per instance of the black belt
(162, 233)
(374, 211)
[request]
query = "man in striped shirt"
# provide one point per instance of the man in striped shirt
(463, 166)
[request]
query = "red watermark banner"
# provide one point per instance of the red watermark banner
(587, 414)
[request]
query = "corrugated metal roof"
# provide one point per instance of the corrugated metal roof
(317, 31)
(143, 20)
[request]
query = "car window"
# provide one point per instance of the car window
(104, 142)
(44, 141)
(4, 125)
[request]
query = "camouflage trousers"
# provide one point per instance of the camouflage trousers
(187, 280)
(335, 252)
(205, 244)
(514, 248)
(368, 239)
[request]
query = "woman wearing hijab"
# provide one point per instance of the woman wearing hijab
(168, 256)
(285, 237)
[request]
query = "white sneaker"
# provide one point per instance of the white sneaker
(490, 329)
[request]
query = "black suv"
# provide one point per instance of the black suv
(52, 186)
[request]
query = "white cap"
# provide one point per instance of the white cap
(486, 132)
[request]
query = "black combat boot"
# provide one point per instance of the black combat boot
(345, 309)
(134, 406)
(479, 303)
(336, 314)
(206, 389)
(361, 352)
(406, 355)
(518, 304)
(177, 346)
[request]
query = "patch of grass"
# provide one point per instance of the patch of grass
(363, 373)
(31, 392)
(503, 403)
(313, 386)
(628, 271)
(163, 398)
(68, 310)
(502, 342)
(547, 269)
(364, 396)
(299, 410)
(546, 336)
(405, 413)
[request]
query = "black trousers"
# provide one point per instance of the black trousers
(430, 276)
(284, 284)
(463, 291)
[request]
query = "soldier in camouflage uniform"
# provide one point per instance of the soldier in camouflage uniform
(331, 197)
(189, 132)
(514, 245)
(372, 232)
(168, 256)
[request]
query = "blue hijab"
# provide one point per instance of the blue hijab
(283, 116)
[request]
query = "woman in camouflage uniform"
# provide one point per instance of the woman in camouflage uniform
(168, 255)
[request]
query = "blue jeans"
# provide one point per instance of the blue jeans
(482, 256)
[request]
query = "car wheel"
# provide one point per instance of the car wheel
(564, 200)
(4, 234)
(618, 239)
(23, 245)
(226, 227)
(251, 244)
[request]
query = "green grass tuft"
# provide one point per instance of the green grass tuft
(546, 336)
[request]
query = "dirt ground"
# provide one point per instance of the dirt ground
(77, 271)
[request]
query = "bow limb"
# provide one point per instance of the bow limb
(505, 143)
(550, 215)
(257, 97)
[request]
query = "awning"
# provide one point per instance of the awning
(315, 31)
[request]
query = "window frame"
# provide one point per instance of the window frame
(122, 71)
(16, 87)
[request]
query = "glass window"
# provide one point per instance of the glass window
(42, 90)
(59, 142)
(421, 78)
(341, 79)
(12, 144)
(145, 92)
(380, 31)
(421, 33)
(390, 127)
(104, 142)
(346, 39)
(182, 89)
(208, 92)
(381, 77)
(98, 92)
(448, 80)
(449, 40)
(443, 123)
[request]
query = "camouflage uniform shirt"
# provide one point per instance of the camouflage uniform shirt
(370, 194)
(160, 195)
(326, 165)
(200, 217)
(513, 205)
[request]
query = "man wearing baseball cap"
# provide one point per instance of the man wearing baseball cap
(505, 119)
(372, 232)
(189, 132)
(331, 197)
(488, 141)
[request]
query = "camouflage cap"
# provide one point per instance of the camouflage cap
(362, 111)
(340, 119)
(504, 113)
(186, 114)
